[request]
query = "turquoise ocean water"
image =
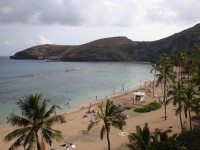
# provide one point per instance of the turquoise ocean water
(65, 82)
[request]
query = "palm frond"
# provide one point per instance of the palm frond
(118, 123)
(159, 80)
(44, 106)
(30, 139)
(91, 125)
(51, 111)
(15, 145)
(30, 106)
(146, 134)
(54, 119)
(17, 120)
(17, 133)
(50, 134)
(109, 107)
(136, 141)
(30, 147)
(139, 130)
(102, 133)
(101, 113)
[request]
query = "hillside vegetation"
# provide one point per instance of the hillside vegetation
(115, 48)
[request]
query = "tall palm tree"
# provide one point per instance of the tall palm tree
(111, 116)
(196, 106)
(165, 69)
(141, 139)
(196, 79)
(190, 94)
(180, 61)
(154, 69)
(35, 124)
(176, 94)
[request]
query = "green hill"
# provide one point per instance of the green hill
(115, 48)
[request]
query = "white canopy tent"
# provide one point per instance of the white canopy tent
(139, 97)
(139, 93)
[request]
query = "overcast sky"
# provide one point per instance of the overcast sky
(26, 23)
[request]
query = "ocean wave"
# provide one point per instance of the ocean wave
(15, 79)
(8, 92)
(29, 75)
(72, 69)
(21, 76)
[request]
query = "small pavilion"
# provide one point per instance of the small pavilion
(138, 98)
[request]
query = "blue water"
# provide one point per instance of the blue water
(65, 82)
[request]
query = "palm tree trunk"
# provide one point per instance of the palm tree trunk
(179, 74)
(165, 83)
(42, 144)
(190, 119)
(181, 121)
(39, 147)
(154, 84)
(162, 88)
(108, 138)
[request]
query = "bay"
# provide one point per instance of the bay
(73, 83)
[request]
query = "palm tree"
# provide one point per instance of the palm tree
(180, 61)
(196, 79)
(154, 69)
(141, 139)
(196, 106)
(190, 97)
(165, 69)
(111, 115)
(176, 94)
(164, 142)
(35, 124)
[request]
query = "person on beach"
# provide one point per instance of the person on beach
(85, 116)
(68, 104)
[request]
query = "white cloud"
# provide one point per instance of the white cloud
(34, 18)
(6, 9)
(80, 21)
(44, 40)
(5, 43)
(99, 12)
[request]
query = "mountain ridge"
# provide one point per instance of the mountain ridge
(115, 48)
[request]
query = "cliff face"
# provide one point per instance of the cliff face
(115, 49)
(42, 52)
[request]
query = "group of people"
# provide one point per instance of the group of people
(68, 145)
(90, 111)
(168, 130)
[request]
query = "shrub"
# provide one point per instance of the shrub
(190, 139)
(196, 118)
(147, 108)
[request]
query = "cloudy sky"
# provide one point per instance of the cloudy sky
(26, 23)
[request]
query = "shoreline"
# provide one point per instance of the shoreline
(74, 130)
(98, 101)
(75, 109)
(87, 102)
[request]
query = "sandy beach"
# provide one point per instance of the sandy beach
(74, 130)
